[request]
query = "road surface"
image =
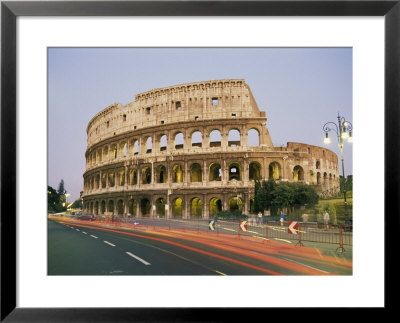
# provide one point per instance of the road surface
(84, 248)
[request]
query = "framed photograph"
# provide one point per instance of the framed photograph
(41, 42)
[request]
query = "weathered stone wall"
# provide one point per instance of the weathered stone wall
(149, 153)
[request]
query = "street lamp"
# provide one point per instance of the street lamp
(343, 131)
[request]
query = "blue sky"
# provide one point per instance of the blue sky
(300, 89)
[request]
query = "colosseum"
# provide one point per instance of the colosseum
(190, 151)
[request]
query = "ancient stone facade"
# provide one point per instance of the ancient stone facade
(191, 150)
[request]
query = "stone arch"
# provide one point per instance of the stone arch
(161, 174)
(105, 153)
(114, 151)
(97, 181)
(99, 155)
(146, 175)
(177, 208)
(318, 178)
(103, 207)
(255, 171)
(110, 206)
(215, 172)
(120, 207)
(123, 149)
(233, 137)
(298, 173)
(177, 171)
(149, 144)
(235, 204)
(253, 137)
(121, 177)
(163, 142)
(274, 171)
(197, 139)
(215, 205)
(312, 176)
(235, 171)
(133, 176)
(160, 207)
(96, 208)
(135, 147)
(132, 205)
(215, 138)
(179, 140)
(195, 173)
(145, 207)
(111, 178)
(317, 164)
(196, 208)
(104, 180)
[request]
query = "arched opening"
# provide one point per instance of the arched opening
(215, 138)
(136, 147)
(298, 173)
(133, 176)
(160, 207)
(96, 208)
(161, 174)
(104, 180)
(111, 179)
(195, 173)
(146, 175)
(235, 171)
(274, 171)
(177, 173)
(215, 172)
(235, 204)
(123, 149)
(196, 208)
(145, 207)
(99, 155)
(110, 206)
(233, 138)
(325, 178)
(253, 137)
(121, 177)
(215, 206)
(114, 151)
(254, 171)
(177, 208)
(120, 207)
(163, 143)
(318, 164)
(179, 140)
(103, 207)
(132, 205)
(97, 180)
(318, 178)
(197, 139)
(149, 145)
(312, 176)
(105, 153)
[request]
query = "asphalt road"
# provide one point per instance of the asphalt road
(80, 248)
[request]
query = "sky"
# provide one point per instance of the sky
(300, 89)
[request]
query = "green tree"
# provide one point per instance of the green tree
(76, 204)
(54, 202)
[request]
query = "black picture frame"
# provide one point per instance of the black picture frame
(10, 10)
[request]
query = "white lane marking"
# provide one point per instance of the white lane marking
(138, 258)
(84, 232)
(299, 263)
(93, 236)
(283, 240)
(220, 273)
(229, 229)
(109, 243)
(78, 230)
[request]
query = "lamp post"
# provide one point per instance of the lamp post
(343, 131)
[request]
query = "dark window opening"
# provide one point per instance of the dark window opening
(196, 118)
(124, 117)
(178, 105)
(214, 101)
(233, 115)
(148, 110)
